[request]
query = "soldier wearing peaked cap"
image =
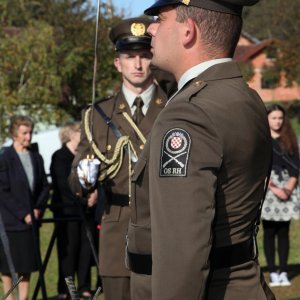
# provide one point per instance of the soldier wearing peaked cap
(199, 183)
(117, 146)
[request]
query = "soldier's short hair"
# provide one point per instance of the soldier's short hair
(219, 32)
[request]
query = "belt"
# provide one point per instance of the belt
(118, 200)
(225, 257)
(140, 263)
(222, 257)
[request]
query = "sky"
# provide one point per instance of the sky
(132, 8)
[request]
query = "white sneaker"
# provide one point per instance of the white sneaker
(274, 279)
(283, 279)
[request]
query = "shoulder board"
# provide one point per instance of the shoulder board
(194, 88)
(100, 100)
(103, 99)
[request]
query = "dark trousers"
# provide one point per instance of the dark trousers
(74, 254)
(279, 229)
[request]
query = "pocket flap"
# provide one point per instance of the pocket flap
(139, 238)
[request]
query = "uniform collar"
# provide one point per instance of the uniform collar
(196, 71)
(147, 95)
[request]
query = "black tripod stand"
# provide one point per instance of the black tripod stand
(81, 218)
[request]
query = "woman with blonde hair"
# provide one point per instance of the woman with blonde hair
(74, 252)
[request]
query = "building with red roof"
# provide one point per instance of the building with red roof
(258, 54)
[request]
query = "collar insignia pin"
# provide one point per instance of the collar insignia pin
(186, 2)
(197, 83)
(122, 106)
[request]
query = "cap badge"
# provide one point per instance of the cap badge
(186, 2)
(138, 29)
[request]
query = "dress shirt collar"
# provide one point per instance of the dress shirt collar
(147, 95)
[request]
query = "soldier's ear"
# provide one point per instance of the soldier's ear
(189, 32)
(118, 64)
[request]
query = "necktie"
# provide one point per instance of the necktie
(138, 114)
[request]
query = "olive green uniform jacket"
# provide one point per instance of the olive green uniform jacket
(116, 216)
(203, 171)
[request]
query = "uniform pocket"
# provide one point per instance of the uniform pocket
(139, 238)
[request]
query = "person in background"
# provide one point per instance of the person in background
(282, 199)
(24, 190)
(199, 183)
(73, 248)
(132, 112)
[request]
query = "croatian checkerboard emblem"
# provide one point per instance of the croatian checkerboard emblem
(175, 153)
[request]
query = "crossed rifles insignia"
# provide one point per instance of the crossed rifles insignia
(175, 153)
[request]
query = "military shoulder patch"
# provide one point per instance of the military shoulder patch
(175, 153)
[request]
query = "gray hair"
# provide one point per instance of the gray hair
(66, 131)
(17, 121)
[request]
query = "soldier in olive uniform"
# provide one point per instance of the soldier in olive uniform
(200, 180)
(121, 143)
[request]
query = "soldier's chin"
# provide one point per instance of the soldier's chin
(141, 83)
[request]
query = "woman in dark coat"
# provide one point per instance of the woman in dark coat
(74, 251)
(23, 192)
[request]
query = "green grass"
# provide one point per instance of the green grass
(286, 293)
(51, 274)
(292, 292)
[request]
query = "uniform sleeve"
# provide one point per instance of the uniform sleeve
(184, 160)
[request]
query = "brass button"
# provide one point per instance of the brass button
(142, 146)
(108, 147)
(129, 203)
(103, 218)
(158, 101)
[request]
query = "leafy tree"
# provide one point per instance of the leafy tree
(246, 70)
(270, 77)
(47, 58)
(30, 82)
(279, 20)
